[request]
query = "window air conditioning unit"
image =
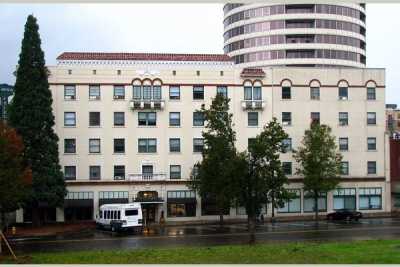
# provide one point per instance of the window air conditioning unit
(94, 97)
(70, 97)
(119, 97)
(343, 98)
(286, 123)
(119, 178)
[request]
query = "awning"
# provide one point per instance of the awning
(150, 202)
(181, 200)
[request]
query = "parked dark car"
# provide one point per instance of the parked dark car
(344, 214)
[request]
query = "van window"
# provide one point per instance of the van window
(101, 214)
(119, 215)
(108, 214)
(131, 212)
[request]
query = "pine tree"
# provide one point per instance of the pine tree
(319, 162)
(216, 170)
(30, 113)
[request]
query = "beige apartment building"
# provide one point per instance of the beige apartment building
(129, 129)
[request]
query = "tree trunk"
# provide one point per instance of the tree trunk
(35, 216)
(1, 230)
(252, 229)
(273, 209)
(316, 207)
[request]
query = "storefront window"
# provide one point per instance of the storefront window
(293, 205)
(181, 203)
(309, 203)
(344, 198)
(370, 198)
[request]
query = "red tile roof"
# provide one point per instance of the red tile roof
(143, 56)
(251, 72)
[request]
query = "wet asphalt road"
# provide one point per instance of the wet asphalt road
(366, 229)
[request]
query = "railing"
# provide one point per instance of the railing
(253, 104)
(147, 104)
(148, 199)
(147, 177)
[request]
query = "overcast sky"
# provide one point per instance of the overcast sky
(168, 28)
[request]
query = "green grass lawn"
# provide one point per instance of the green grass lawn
(376, 251)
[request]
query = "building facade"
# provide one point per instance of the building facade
(129, 129)
(271, 34)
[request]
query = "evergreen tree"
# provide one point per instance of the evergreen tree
(216, 171)
(319, 162)
(30, 113)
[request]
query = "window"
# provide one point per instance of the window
(119, 145)
(344, 168)
(198, 73)
(156, 92)
(371, 167)
(371, 118)
(221, 73)
(147, 171)
(174, 119)
(315, 118)
(250, 142)
(343, 93)
(198, 118)
(94, 173)
(147, 118)
(174, 145)
(252, 118)
(69, 119)
(175, 171)
(314, 93)
(137, 91)
(371, 93)
(286, 93)
(371, 141)
(132, 212)
(292, 205)
(181, 204)
(94, 92)
(344, 198)
(118, 72)
(119, 118)
(147, 145)
(70, 172)
(146, 92)
(94, 72)
(286, 118)
(309, 202)
(69, 146)
(257, 93)
(69, 92)
(287, 144)
(198, 144)
(174, 72)
(248, 93)
(287, 168)
(94, 145)
(198, 92)
(94, 118)
(223, 91)
(119, 92)
(119, 172)
(69, 72)
(370, 198)
(343, 118)
(343, 143)
(174, 92)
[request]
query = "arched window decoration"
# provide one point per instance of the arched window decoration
(157, 89)
(315, 90)
(137, 89)
(371, 90)
(252, 90)
(343, 90)
(286, 89)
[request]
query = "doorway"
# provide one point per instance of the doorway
(149, 213)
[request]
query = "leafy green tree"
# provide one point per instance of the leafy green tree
(319, 162)
(15, 177)
(30, 113)
(215, 175)
(265, 153)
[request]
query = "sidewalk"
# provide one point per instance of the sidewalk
(49, 229)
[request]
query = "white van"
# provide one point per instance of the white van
(117, 217)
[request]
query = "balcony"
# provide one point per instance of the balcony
(253, 104)
(147, 177)
(152, 104)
